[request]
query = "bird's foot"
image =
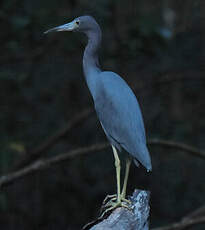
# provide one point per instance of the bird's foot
(111, 198)
(112, 202)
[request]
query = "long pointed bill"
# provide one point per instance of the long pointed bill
(66, 27)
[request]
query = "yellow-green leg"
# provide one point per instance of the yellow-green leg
(119, 200)
(118, 168)
(128, 163)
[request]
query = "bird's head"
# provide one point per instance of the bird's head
(80, 24)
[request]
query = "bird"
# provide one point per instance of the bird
(116, 107)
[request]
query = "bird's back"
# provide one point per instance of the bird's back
(120, 116)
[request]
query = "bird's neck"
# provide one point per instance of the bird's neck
(90, 57)
(91, 66)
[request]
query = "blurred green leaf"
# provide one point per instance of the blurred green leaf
(18, 147)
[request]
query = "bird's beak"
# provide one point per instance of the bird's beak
(66, 27)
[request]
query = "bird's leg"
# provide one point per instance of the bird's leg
(111, 198)
(128, 163)
(119, 199)
(123, 194)
(117, 166)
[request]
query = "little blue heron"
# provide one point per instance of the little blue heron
(115, 104)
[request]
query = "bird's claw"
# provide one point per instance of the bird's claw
(108, 198)
(111, 202)
(112, 198)
(111, 205)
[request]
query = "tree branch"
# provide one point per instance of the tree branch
(196, 217)
(34, 154)
(180, 146)
(183, 224)
(45, 163)
(198, 212)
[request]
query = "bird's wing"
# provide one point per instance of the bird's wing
(120, 116)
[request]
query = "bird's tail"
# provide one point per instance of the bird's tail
(144, 159)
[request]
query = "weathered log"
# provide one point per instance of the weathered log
(124, 219)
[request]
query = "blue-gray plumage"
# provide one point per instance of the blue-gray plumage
(120, 117)
(115, 103)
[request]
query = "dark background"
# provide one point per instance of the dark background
(158, 48)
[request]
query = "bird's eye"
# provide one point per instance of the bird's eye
(77, 22)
